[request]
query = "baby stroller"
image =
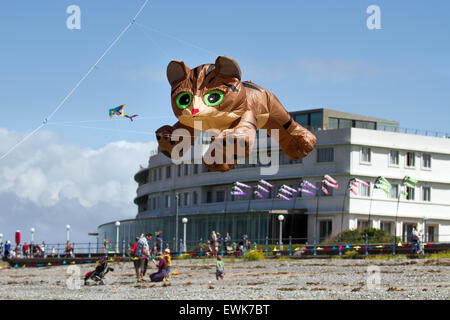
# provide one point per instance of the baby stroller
(99, 273)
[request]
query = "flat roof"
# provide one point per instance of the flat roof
(344, 115)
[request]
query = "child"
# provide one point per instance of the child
(219, 268)
(169, 262)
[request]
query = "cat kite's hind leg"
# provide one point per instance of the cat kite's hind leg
(295, 140)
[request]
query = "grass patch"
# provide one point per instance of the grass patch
(387, 257)
(253, 255)
(437, 255)
(350, 254)
(229, 260)
(184, 256)
(359, 236)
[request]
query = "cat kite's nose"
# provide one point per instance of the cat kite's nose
(195, 111)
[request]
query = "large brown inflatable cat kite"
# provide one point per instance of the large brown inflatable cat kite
(215, 95)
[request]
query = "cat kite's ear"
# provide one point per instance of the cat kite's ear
(176, 71)
(228, 67)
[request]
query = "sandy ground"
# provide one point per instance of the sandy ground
(268, 279)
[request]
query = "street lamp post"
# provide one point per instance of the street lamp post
(68, 232)
(1, 244)
(117, 224)
(177, 196)
(424, 234)
(32, 242)
(281, 218)
(185, 221)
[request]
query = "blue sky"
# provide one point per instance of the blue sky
(311, 54)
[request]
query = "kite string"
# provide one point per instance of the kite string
(175, 38)
(98, 61)
(78, 83)
(130, 131)
(108, 120)
(21, 141)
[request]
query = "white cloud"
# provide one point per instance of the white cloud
(47, 171)
(46, 184)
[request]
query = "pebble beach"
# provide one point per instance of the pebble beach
(285, 279)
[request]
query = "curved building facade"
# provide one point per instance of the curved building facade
(348, 146)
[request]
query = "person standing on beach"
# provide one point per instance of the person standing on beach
(142, 254)
(26, 250)
(159, 241)
(219, 268)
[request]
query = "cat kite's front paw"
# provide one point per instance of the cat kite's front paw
(228, 148)
(164, 137)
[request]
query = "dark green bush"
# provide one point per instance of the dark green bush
(359, 236)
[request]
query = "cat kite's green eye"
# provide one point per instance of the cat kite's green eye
(213, 98)
(184, 100)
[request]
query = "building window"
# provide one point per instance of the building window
(426, 194)
(410, 192)
(393, 157)
(179, 170)
(431, 233)
(407, 230)
(333, 123)
(149, 175)
(394, 191)
(195, 168)
(186, 199)
(186, 169)
(208, 196)
(159, 173)
(325, 229)
(386, 226)
(195, 197)
(410, 159)
(365, 155)
(167, 201)
(365, 124)
(321, 193)
(302, 119)
(364, 191)
(316, 120)
(345, 123)
(155, 175)
(310, 120)
(168, 172)
(362, 224)
(220, 196)
(426, 160)
(325, 155)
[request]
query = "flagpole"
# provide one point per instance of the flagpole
(343, 203)
(370, 211)
(317, 215)
(371, 199)
(396, 216)
(342, 215)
